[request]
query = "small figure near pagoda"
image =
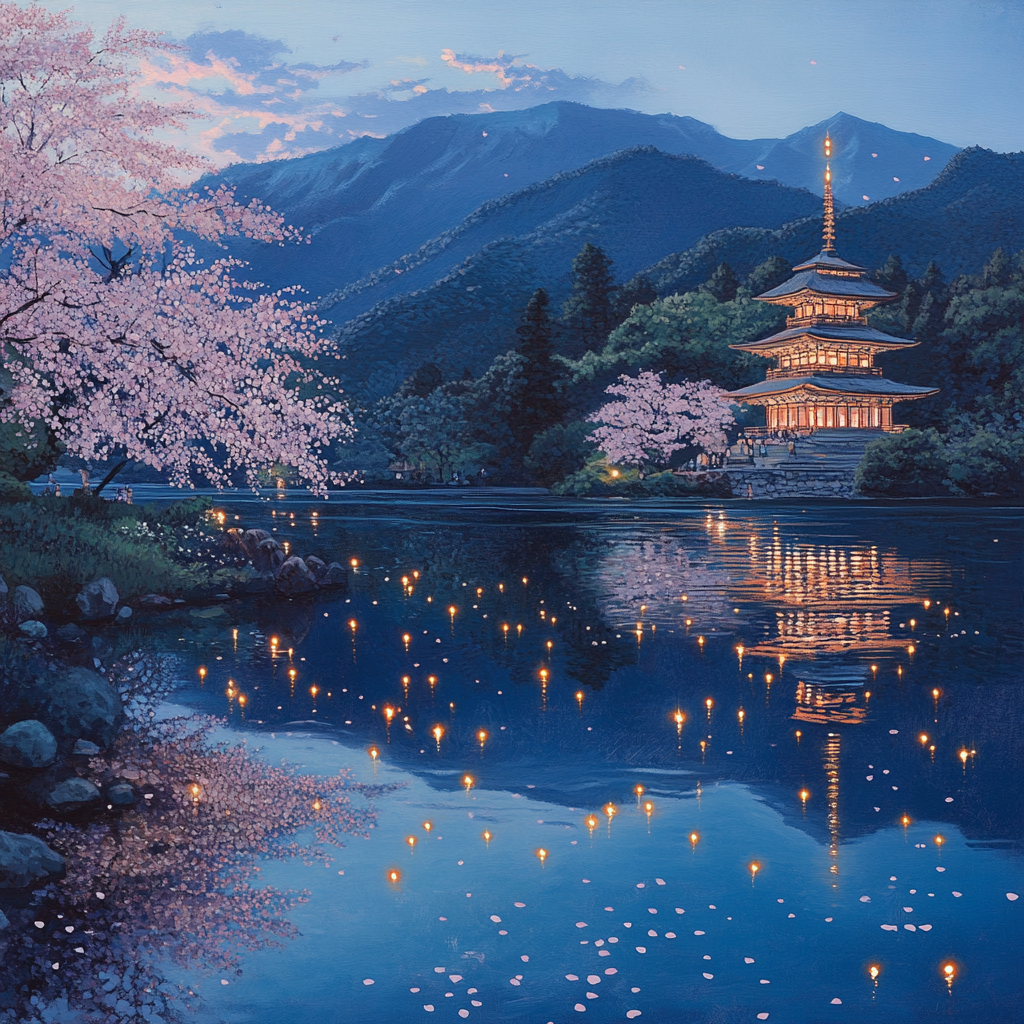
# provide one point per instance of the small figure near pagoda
(825, 375)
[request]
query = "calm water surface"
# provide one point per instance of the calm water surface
(849, 684)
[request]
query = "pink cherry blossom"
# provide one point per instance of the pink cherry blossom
(653, 419)
(117, 335)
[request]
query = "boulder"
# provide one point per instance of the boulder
(123, 614)
(25, 861)
(34, 629)
(295, 578)
(251, 540)
(27, 603)
(28, 744)
(317, 566)
(335, 575)
(253, 582)
(121, 794)
(98, 600)
(269, 556)
(71, 796)
(69, 633)
(80, 704)
(85, 749)
(155, 601)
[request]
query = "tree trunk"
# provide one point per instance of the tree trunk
(118, 466)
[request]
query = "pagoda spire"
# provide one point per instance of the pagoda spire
(829, 227)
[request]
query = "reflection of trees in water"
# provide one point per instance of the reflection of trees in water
(621, 573)
(171, 879)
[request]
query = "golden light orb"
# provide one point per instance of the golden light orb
(910, 649)
(648, 807)
(579, 696)
(519, 628)
(432, 680)
(274, 641)
(591, 822)
(525, 580)
(874, 970)
(467, 781)
(482, 736)
(694, 838)
(939, 840)
(389, 713)
(923, 738)
(936, 693)
(394, 876)
(438, 732)
(485, 836)
(542, 854)
(374, 753)
(615, 472)
(352, 624)
(611, 810)
(963, 755)
(927, 604)
(202, 672)
(406, 638)
(905, 820)
(638, 789)
(550, 644)
(242, 699)
(354, 562)
(753, 867)
(804, 795)
(451, 609)
(741, 714)
(427, 826)
(709, 703)
(739, 650)
(768, 677)
(316, 804)
(544, 674)
(679, 718)
(405, 581)
(700, 641)
(798, 734)
(689, 622)
(411, 840)
(292, 673)
(314, 690)
(194, 792)
(504, 627)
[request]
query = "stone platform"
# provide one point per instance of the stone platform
(822, 465)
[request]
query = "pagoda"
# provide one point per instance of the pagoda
(825, 375)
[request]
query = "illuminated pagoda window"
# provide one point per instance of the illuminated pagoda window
(825, 376)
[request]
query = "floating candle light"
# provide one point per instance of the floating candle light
(394, 876)
(374, 753)
(411, 840)
(467, 781)
(694, 838)
(486, 836)
(542, 854)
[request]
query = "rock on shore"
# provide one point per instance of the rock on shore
(28, 744)
(25, 861)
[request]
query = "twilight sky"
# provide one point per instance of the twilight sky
(281, 79)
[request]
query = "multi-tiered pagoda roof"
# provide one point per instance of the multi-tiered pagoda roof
(825, 374)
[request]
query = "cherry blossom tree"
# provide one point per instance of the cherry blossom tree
(117, 335)
(652, 419)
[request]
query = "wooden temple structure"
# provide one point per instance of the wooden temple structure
(825, 375)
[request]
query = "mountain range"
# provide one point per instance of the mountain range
(373, 201)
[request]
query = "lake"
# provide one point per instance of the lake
(709, 762)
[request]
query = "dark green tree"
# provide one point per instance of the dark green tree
(422, 382)
(768, 275)
(998, 271)
(638, 292)
(892, 275)
(588, 310)
(535, 407)
(723, 284)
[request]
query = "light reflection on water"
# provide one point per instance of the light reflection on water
(811, 623)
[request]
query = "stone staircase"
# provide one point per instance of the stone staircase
(822, 465)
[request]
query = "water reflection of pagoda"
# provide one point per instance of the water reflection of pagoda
(825, 375)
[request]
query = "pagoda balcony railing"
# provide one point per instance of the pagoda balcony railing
(816, 369)
(779, 435)
(822, 318)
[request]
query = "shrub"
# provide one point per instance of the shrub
(908, 465)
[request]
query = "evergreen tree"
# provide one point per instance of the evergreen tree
(638, 292)
(768, 275)
(536, 406)
(892, 275)
(933, 282)
(998, 271)
(722, 284)
(588, 310)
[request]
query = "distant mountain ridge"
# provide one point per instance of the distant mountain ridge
(635, 202)
(975, 206)
(456, 300)
(373, 201)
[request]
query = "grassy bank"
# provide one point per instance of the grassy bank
(56, 545)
